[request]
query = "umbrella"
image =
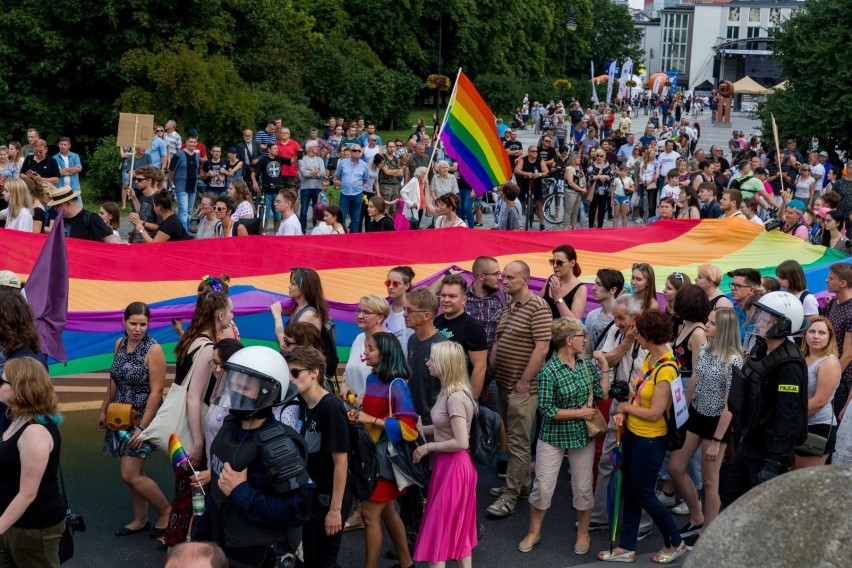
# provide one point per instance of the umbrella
(613, 490)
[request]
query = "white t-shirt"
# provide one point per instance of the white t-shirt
(23, 222)
(672, 191)
(631, 364)
(810, 305)
(290, 226)
(667, 161)
(395, 324)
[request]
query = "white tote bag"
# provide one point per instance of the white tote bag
(171, 417)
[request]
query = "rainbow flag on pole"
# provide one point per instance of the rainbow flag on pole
(470, 137)
(176, 451)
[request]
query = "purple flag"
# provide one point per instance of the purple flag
(47, 292)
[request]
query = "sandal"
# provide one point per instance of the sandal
(528, 544)
(626, 556)
(669, 557)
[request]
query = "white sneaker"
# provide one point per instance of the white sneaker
(682, 509)
(665, 499)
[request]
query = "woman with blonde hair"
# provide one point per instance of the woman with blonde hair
(448, 529)
(565, 384)
(18, 215)
(820, 351)
(708, 279)
(33, 510)
(708, 425)
(370, 317)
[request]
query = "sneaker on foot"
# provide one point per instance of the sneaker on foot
(502, 507)
(681, 509)
(593, 526)
(497, 491)
(643, 534)
(689, 529)
(667, 499)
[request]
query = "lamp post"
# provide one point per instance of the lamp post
(440, 45)
(570, 26)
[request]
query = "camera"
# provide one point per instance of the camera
(619, 390)
(76, 522)
(773, 222)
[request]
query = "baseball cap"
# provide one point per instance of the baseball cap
(824, 154)
(9, 279)
(823, 212)
(232, 149)
(192, 132)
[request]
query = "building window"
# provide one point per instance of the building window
(733, 32)
(674, 45)
(774, 17)
(752, 32)
(733, 14)
(754, 15)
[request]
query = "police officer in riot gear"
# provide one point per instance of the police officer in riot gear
(768, 397)
(260, 491)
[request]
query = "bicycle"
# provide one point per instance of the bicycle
(554, 200)
(529, 210)
(260, 209)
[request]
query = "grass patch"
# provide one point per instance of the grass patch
(404, 131)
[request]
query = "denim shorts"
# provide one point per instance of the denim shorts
(621, 199)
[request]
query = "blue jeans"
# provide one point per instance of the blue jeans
(269, 201)
(466, 207)
(641, 463)
(351, 206)
(306, 196)
(185, 200)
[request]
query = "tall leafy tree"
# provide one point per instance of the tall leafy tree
(814, 47)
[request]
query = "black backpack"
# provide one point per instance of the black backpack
(484, 434)
(363, 467)
(675, 437)
(329, 347)
(252, 225)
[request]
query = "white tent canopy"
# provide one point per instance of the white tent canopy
(748, 86)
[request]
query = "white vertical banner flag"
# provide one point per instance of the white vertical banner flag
(611, 72)
(594, 90)
(626, 75)
(658, 86)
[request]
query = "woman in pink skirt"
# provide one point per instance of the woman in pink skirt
(448, 530)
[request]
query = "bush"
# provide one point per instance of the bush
(502, 93)
(103, 175)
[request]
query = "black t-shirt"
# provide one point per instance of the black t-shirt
(87, 225)
(47, 168)
(530, 167)
(423, 386)
(146, 212)
(269, 174)
(511, 145)
(547, 154)
(216, 181)
(171, 226)
(383, 224)
(325, 429)
(576, 116)
(465, 331)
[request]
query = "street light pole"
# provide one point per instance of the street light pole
(440, 44)
(570, 26)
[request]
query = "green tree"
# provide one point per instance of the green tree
(613, 35)
(813, 47)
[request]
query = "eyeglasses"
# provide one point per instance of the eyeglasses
(641, 266)
(556, 263)
(295, 372)
(359, 311)
(408, 310)
(160, 130)
(735, 286)
(497, 274)
(214, 364)
(220, 208)
(355, 151)
(4, 382)
(583, 335)
(138, 179)
(392, 284)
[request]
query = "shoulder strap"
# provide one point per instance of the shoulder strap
(657, 369)
(603, 335)
(804, 295)
(390, 395)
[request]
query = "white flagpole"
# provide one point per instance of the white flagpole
(444, 121)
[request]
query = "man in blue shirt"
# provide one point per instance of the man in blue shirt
(626, 149)
(648, 139)
(352, 174)
(159, 152)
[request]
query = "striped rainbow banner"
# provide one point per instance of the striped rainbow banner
(105, 278)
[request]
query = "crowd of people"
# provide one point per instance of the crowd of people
(765, 374)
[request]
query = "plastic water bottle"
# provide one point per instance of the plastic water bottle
(125, 437)
(197, 501)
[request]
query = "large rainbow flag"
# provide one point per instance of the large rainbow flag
(105, 278)
(470, 137)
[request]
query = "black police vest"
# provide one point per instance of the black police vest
(229, 525)
(750, 401)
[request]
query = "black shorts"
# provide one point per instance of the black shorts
(825, 431)
(703, 426)
(538, 193)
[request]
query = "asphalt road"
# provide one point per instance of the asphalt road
(96, 491)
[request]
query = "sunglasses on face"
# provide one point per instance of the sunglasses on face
(220, 208)
(295, 372)
(392, 284)
(139, 179)
(556, 263)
